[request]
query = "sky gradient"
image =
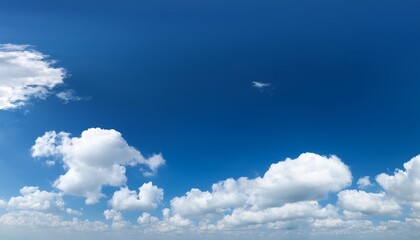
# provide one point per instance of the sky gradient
(209, 119)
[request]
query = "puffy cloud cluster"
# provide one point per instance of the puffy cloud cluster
(287, 212)
(97, 158)
(118, 221)
(35, 199)
(403, 185)
(309, 177)
(367, 203)
(169, 223)
(287, 197)
(148, 198)
(24, 74)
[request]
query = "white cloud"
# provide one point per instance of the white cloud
(367, 203)
(118, 221)
(172, 223)
(50, 163)
(403, 185)
(97, 158)
(48, 220)
(287, 212)
(73, 212)
(225, 195)
(3, 203)
(308, 177)
(69, 96)
(147, 219)
(25, 74)
(34, 199)
(147, 199)
(364, 182)
(330, 224)
(260, 85)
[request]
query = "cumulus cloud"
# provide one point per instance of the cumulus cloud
(73, 212)
(364, 182)
(404, 185)
(367, 203)
(147, 199)
(95, 159)
(24, 74)
(35, 199)
(287, 212)
(308, 177)
(118, 222)
(147, 219)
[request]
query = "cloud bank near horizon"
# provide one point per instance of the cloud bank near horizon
(290, 196)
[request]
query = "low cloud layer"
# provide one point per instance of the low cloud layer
(293, 197)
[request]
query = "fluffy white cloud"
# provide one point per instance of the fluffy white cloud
(97, 158)
(147, 219)
(148, 198)
(367, 203)
(287, 212)
(364, 182)
(118, 221)
(308, 177)
(33, 198)
(224, 196)
(25, 74)
(73, 212)
(403, 185)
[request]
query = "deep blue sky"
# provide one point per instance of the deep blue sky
(175, 77)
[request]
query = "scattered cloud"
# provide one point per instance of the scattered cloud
(118, 221)
(73, 212)
(287, 212)
(308, 177)
(95, 159)
(50, 163)
(403, 185)
(69, 96)
(3, 203)
(362, 202)
(147, 199)
(25, 74)
(364, 182)
(288, 198)
(48, 220)
(260, 85)
(34, 199)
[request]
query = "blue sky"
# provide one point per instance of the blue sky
(187, 94)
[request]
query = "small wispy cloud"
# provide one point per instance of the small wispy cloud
(263, 87)
(70, 96)
(260, 85)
